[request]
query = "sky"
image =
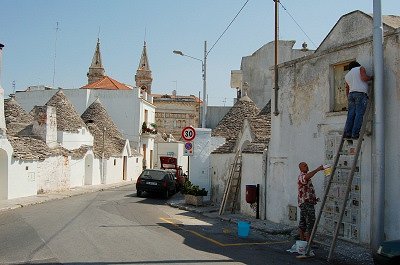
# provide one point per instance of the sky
(32, 43)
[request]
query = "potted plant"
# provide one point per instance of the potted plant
(193, 194)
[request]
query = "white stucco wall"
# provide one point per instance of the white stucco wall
(253, 173)
(220, 165)
(255, 69)
(300, 131)
(77, 173)
(72, 141)
(5, 161)
(22, 181)
(199, 165)
(53, 174)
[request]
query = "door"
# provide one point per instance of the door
(88, 170)
(124, 168)
(3, 175)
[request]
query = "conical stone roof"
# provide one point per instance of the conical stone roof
(232, 123)
(68, 120)
(16, 117)
(96, 119)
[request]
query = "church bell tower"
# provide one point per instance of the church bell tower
(143, 77)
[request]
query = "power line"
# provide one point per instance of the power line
(227, 27)
(315, 46)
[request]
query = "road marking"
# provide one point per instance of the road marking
(169, 220)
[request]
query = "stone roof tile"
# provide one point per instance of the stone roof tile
(96, 119)
(68, 119)
(232, 123)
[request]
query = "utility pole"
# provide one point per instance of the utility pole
(102, 155)
(276, 88)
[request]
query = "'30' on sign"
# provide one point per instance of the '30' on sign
(188, 133)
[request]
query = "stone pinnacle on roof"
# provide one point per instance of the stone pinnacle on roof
(68, 120)
(96, 69)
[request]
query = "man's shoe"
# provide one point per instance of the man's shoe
(348, 136)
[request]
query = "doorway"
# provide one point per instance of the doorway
(88, 170)
(124, 168)
(3, 175)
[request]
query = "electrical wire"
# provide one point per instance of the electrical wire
(227, 28)
(315, 46)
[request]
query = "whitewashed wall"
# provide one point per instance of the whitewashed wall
(254, 69)
(22, 180)
(300, 130)
(253, 173)
(114, 171)
(199, 165)
(72, 141)
(5, 161)
(53, 174)
(220, 165)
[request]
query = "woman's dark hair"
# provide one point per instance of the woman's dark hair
(353, 64)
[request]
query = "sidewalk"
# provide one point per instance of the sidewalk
(350, 253)
(41, 198)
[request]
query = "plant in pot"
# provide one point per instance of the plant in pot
(193, 194)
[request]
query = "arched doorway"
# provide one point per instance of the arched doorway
(3, 175)
(89, 170)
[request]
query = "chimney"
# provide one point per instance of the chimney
(45, 124)
(3, 128)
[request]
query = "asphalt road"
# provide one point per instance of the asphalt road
(116, 227)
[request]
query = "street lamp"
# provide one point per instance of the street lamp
(204, 71)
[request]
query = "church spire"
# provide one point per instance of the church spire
(143, 76)
(96, 69)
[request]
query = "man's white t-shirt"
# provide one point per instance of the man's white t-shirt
(356, 84)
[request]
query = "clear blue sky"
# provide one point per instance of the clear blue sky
(27, 29)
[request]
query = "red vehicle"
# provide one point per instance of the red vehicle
(171, 164)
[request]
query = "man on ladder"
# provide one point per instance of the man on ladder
(357, 96)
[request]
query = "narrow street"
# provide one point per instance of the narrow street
(116, 227)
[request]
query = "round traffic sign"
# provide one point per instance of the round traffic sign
(188, 146)
(188, 133)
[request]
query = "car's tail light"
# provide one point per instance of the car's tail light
(164, 183)
(139, 180)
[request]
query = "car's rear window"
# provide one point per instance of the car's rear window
(150, 174)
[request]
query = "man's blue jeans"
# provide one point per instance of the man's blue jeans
(357, 106)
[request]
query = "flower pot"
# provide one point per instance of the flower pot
(194, 200)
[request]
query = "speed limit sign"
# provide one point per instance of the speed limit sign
(188, 133)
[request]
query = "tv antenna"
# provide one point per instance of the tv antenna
(55, 54)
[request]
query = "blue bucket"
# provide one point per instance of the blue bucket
(243, 229)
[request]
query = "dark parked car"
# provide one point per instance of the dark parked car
(156, 181)
(388, 253)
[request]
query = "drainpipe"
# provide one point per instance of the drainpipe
(276, 88)
(378, 178)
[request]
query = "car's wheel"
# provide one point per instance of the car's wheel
(139, 193)
(166, 194)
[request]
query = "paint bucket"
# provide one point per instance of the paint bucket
(301, 247)
(327, 170)
(243, 229)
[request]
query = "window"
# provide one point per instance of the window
(339, 87)
(115, 162)
(146, 115)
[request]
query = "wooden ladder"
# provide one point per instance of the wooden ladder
(232, 187)
(332, 180)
